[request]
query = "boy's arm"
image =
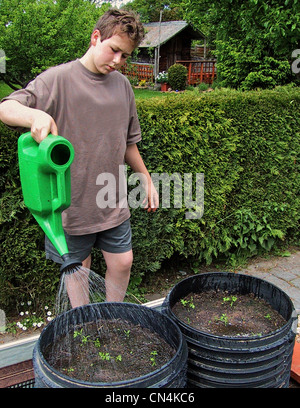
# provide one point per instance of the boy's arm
(135, 161)
(13, 113)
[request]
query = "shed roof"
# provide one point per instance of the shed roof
(167, 30)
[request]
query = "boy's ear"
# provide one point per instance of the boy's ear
(95, 36)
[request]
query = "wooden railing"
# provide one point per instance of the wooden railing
(200, 71)
(139, 71)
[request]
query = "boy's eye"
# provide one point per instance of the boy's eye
(123, 55)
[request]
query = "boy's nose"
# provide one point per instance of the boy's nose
(117, 58)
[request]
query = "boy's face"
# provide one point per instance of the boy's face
(110, 54)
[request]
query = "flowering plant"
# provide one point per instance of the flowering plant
(29, 319)
(162, 77)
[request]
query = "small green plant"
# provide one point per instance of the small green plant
(223, 318)
(152, 358)
(127, 333)
(77, 333)
(231, 299)
(69, 370)
(29, 318)
(108, 357)
(188, 303)
(268, 316)
(84, 340)
(104, 356)
(97, 343)
(203, 87)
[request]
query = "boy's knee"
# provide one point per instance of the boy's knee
(119, 262)
(126, 260)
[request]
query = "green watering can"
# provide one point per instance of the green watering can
(46, 185)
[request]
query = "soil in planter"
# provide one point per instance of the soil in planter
(223, 314)
(108, 351)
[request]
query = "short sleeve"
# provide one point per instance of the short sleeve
(35, 95)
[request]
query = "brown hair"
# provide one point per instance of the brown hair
(116, 21)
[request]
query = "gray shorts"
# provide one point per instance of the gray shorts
(115, 240)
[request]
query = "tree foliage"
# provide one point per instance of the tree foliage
(149, 10)
(254, 39)
(36, 35)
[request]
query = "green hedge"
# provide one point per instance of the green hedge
(246, 144)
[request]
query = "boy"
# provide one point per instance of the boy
(90, 103)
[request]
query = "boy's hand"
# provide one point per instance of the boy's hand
(13, 113)
(151, 202)
(42, 124)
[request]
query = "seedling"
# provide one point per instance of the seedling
(104, 356)
(268, 316)
(223, 318)
(77, 333)
(119, 358)
(127, 333)
(84, 339)
(97, 343)
(69, 370)
(188, 303)
(152, 359)
(230, 299)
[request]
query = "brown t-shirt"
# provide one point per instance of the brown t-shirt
(97, 113)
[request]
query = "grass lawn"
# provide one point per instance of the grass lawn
(4, 90)
(147, 93)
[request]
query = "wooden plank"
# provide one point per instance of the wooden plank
(16, 374)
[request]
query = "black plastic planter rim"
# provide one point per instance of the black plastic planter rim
(236, 338)
(99, 384)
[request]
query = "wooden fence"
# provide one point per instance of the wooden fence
(198, 71)
(139, 71)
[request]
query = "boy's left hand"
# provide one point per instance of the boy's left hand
(151, 200)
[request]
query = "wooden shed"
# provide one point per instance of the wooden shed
(170, 42)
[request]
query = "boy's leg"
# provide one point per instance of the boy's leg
(116, 279)
(77, 284)
(117, 274)
(116, 248)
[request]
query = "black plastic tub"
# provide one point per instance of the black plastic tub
(171, 375)
(229, 362)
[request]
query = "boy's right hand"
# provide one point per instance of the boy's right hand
(13, 113)
(42, 124)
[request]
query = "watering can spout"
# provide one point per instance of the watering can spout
(69, 264)
(46, 183)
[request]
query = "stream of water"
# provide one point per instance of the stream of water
(80, 286)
